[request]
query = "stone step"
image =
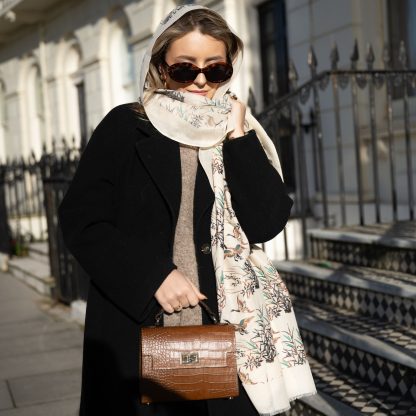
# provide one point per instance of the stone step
(336, 340)
(351, 396)
(389, 246)
(34, 273)
(320, 404)
(388, 332)
(363, 291)
(39, 251)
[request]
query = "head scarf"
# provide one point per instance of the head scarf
(271, 359)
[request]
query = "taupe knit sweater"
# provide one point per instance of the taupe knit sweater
(183, 246)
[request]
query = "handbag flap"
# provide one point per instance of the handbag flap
(188, 346)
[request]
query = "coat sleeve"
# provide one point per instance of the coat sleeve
(86, 216)
(258, 194)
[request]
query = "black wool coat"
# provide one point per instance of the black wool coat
(118, 219)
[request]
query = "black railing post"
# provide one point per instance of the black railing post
(373, 130)
(300, 161)
(403, 61)
(389, 97)
(340, 164)
(357, 140)
(319, 134)
(5, 237)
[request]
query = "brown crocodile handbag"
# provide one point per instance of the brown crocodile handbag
(192, 362)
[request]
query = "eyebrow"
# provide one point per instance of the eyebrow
(191, 58)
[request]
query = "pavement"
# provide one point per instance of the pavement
(40, 353)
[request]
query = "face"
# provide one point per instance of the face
(200, 50)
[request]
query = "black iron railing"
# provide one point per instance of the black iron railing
(57, 170)
(30, 193)
(357, 103)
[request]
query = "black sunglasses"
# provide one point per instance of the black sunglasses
(186, 72)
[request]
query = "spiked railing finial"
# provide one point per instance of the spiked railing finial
(293, 75)
(355, 56)
(370, 56)
(334, 56)
(312, 61)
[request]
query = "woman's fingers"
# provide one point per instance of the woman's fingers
(199, 295)
(183, 300)
(177, 292)
(238, 113)
(167, 307)
(193, 298)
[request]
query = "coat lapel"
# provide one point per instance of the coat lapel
(205, 195)
(161, 157)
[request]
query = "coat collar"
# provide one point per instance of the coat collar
(161, 157)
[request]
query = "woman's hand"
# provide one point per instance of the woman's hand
(177, 292)
(238, 113)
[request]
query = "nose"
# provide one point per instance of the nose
(200, 80)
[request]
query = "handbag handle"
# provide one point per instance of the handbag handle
(158, 316)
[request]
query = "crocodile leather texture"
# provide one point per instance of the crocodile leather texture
(193, 362)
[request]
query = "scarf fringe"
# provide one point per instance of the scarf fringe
(291, 399)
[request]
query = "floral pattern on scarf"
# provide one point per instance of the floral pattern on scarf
(253, 297)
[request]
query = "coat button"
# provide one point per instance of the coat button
(206, 248)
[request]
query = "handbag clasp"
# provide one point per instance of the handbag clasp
(189, 358)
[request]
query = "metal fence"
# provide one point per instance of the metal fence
(22, 188)
(352, 112)
(57, 170)
(30, 193)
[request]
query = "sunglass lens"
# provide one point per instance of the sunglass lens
(219, 73)
(183, 73)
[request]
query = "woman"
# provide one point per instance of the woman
(142, 218)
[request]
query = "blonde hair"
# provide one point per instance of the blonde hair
(206, 21)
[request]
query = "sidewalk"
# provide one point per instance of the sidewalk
(40, 354)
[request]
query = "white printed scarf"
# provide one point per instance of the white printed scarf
(271, 359)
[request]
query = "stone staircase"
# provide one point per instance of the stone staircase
(355, 302)
(34, 269)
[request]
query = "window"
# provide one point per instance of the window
(275, 77)
(401, 17)
(274, 54)
(401, 23)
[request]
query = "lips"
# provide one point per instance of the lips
(199, 92)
